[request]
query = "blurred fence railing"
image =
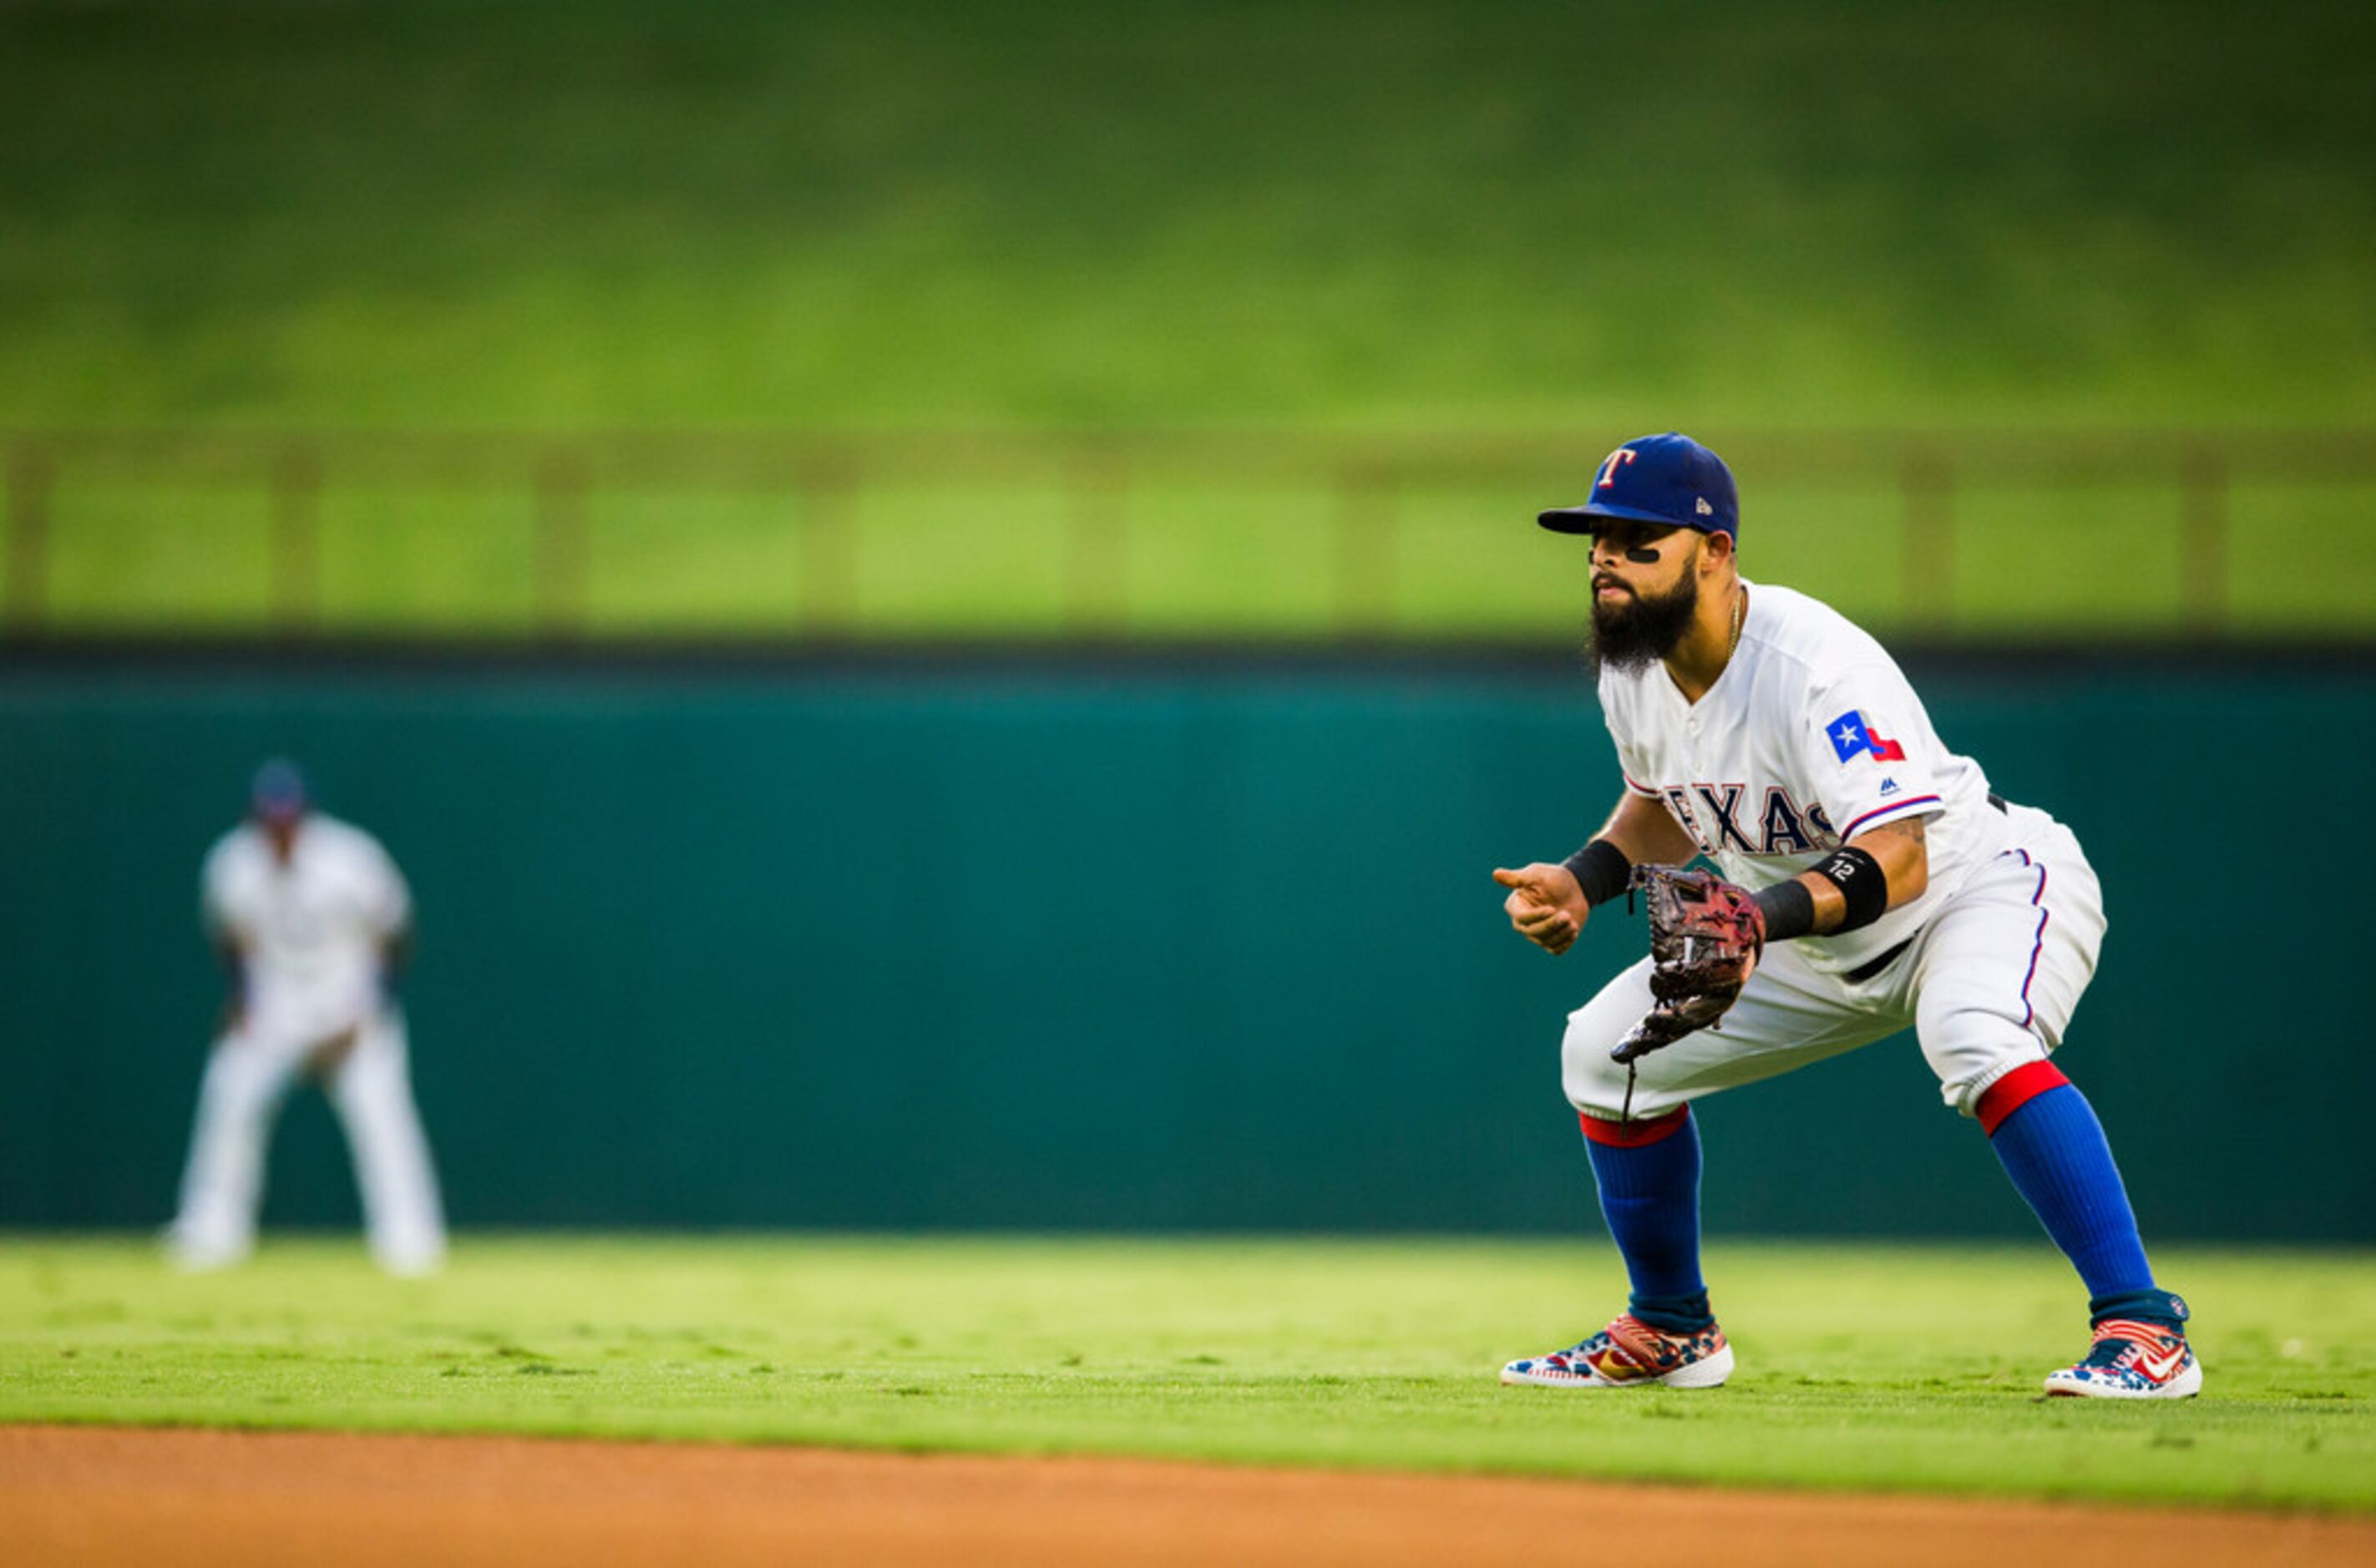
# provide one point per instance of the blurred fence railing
(1951, 535)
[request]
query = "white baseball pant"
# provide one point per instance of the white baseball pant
(1988, 985)
(247, 1075)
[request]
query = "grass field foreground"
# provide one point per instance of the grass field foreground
(1861, 1367)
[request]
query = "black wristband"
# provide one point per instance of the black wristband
(1788, 908)
(1861, 882)
(1602, 869)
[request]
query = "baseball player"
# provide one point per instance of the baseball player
(312, 920)
(1866, 880)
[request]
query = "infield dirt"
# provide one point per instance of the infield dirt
(85, 1495)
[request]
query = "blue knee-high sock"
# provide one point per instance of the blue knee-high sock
(2055, 1151)
(1650, 1195)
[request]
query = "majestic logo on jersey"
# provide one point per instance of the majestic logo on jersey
(1609, 467)
(1852, 734)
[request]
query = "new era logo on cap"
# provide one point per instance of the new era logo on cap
(1668, 478)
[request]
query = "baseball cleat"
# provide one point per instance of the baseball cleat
(2131, 1361)
(1630, 1353)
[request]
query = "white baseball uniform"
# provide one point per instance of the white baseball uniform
(312, 934)
(1809, 737)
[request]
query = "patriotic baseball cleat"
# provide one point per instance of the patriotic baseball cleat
(1630, 1353)
(2133, 1361)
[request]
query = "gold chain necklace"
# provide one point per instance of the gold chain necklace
(1740, 603)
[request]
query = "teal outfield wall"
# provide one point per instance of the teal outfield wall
(1143, 948)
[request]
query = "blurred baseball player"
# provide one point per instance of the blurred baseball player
(312, 919)
(1866, 881)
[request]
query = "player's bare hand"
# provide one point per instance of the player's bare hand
(1545, 904)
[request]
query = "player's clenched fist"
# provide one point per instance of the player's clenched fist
(1545, 904)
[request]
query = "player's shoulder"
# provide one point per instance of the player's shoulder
(228, 853)
(234, 869)
(1801, 636)
(1800, 626)
(335, 836)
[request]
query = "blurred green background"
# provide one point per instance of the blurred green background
(1427, 260)
(933, 326)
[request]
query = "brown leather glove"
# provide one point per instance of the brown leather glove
(1707, 935)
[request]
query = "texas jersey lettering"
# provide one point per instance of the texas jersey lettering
(1784, 760)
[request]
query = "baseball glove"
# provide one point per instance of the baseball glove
(1707, 935)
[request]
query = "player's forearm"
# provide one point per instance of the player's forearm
(1838, 895)
(1647, 833)
(1637, 833)
(394, 953)
(1903, 849)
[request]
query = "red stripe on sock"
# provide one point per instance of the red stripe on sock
(1634, 1134)
(2014, 1090)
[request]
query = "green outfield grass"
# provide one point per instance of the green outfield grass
(559, 213)
(1052, 215)
(1861, 1367)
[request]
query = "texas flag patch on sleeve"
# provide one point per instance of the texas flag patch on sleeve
(1853, 735)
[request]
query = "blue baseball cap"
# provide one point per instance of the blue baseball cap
(1668, 479)
(279, 792)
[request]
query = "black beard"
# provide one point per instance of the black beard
(1629, 635)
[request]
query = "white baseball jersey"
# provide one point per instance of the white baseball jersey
(1809, 737)
(312, 932)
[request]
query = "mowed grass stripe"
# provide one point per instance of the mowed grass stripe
(1862, 1366)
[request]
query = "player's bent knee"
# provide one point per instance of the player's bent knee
(1593, 1083)
(1971, 1048)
